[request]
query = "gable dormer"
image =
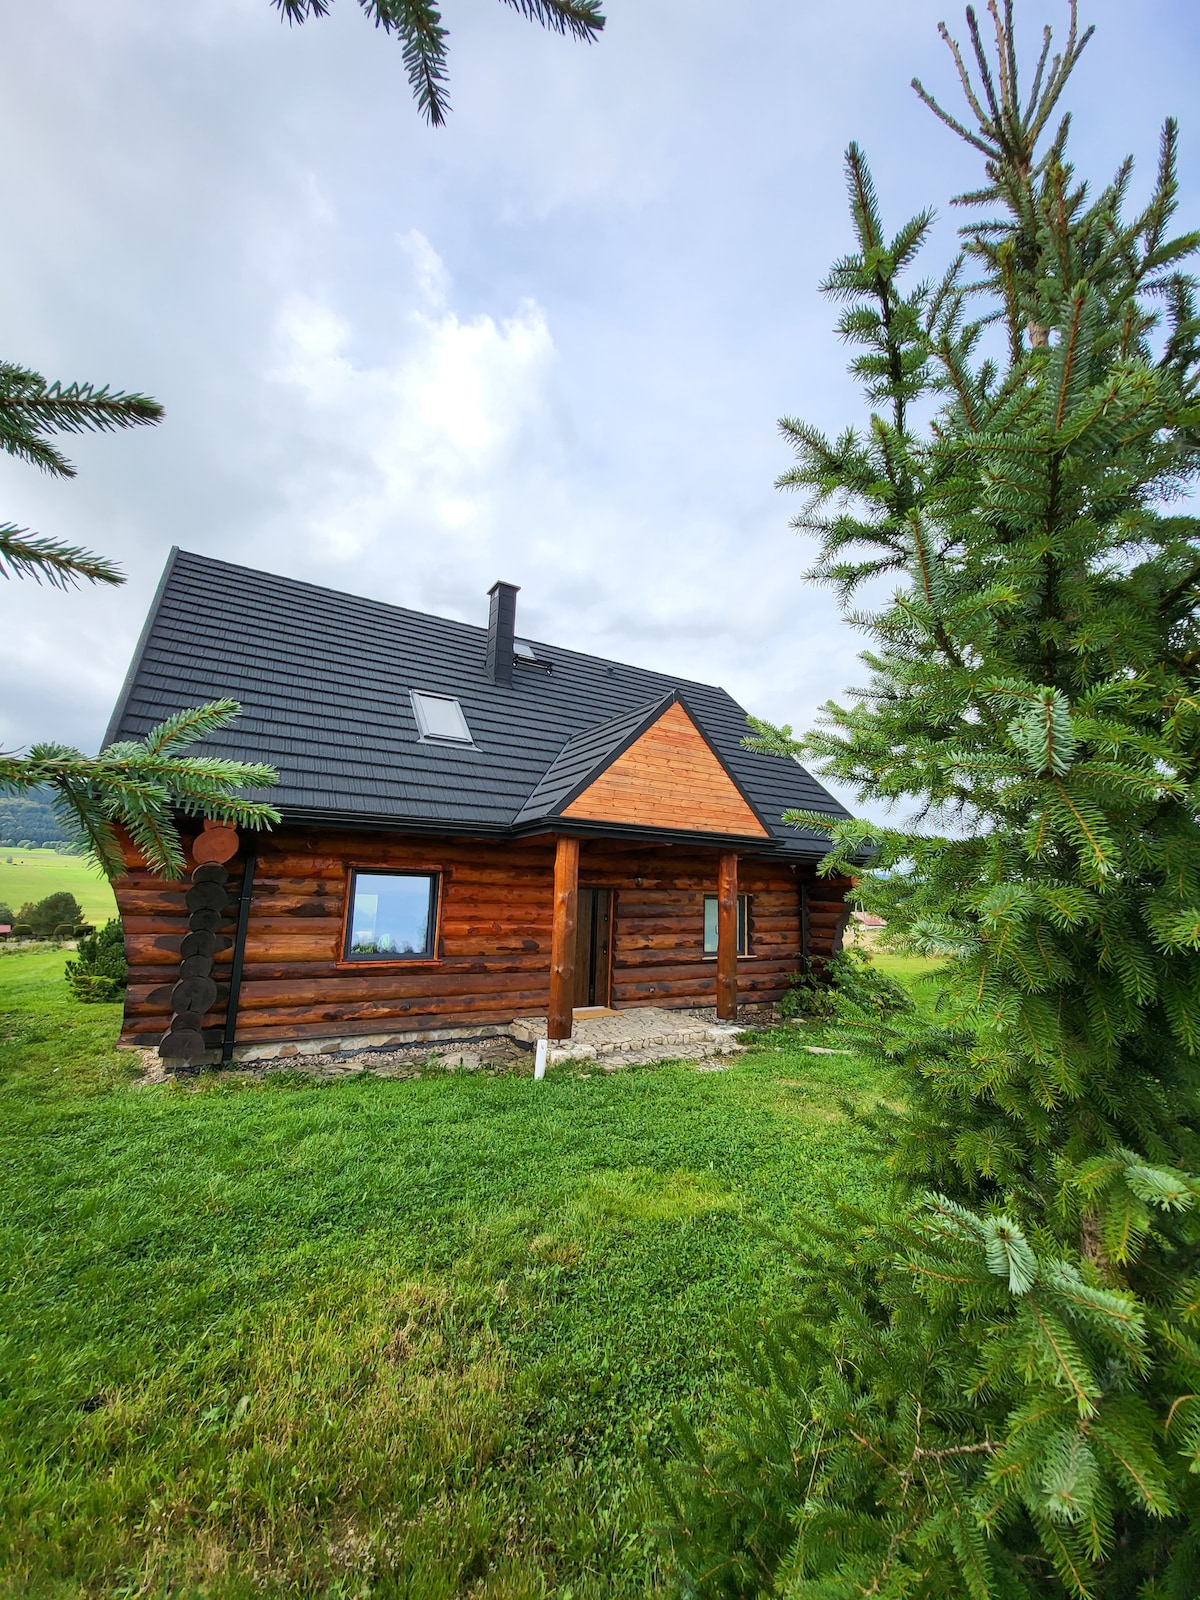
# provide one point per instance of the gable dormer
(669, 776)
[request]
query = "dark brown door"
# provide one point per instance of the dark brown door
(592, 947)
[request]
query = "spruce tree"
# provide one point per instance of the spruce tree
(993, 1389)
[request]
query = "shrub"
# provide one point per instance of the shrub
(22, 930)
(7, 915)
(99, 971)
(850, 978)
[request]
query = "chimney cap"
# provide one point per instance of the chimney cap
(500, 584)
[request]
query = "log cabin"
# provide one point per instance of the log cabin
(476, 828)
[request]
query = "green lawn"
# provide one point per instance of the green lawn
(911, 970)
(33, 874)
(374, 1338)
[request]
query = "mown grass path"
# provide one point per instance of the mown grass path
(377, 1337)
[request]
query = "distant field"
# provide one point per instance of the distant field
(33, 874)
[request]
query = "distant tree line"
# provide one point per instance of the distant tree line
(30, 823)
(59, 916)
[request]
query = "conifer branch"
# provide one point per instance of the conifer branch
(144, 788)
(27, 555)
(417, 24)
(31, 408)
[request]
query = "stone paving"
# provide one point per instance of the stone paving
(641, 1035)
(610, 1040)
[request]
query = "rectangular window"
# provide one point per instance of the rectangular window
(440, 717)
(393, 916)
(710, 925)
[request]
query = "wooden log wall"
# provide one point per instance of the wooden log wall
(494, 934)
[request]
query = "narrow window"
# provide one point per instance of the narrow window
(710, 925)
(440, 717)
(393, 916)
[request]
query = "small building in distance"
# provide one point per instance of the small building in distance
(476, 828)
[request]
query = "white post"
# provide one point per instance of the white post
(539, 1059)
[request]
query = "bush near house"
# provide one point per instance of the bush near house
(99, 971)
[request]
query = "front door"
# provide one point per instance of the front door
(592, 941)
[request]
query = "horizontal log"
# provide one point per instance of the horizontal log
(702, 972)
(308, 978)
(332, 882)
(259, 992)
(427, 984)
(148, 926)
(684, 991)
(386, 1012)
(152, 903)
(272, 1033)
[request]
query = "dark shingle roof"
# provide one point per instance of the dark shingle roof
(323, 679)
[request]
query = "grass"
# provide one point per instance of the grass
(33, 874)
(387, 1338)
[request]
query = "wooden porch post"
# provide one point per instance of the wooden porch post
(562, 944)
(727, 939)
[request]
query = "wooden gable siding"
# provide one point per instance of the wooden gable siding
(668, 778)
(495, 928)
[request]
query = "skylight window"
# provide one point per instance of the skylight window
(440, 717)
(527, 656)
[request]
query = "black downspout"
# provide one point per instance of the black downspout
(239, 953)
(804, 961)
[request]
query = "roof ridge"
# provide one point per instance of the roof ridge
(429, 616)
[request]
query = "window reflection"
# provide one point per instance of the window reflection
(392, 915)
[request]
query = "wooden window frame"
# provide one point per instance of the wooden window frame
(390, 963)
(746, 898)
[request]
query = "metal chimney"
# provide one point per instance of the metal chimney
(502, 627)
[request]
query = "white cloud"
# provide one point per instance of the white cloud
(547, 342)
(421, 447)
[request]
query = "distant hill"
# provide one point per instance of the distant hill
(28, 818)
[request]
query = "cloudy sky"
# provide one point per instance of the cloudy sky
(547, 343)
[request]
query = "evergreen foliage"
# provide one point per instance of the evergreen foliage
(31, 410)
(417, 24)
(144, 787)
(99, 972)
(992, 1390)
(848, 981)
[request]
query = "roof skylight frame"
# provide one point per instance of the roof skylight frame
(436, 714)
(524, 655)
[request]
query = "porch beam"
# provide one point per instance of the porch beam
(727, 929)
(563, 938)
